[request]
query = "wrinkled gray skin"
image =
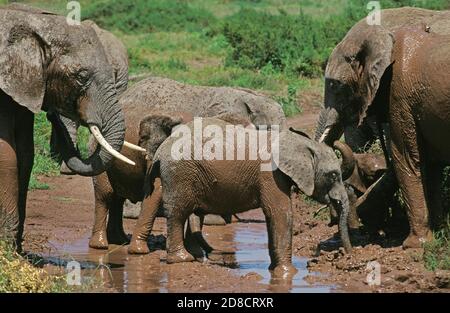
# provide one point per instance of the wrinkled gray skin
(164, 95)
(117, 56)
(233, 186)
(67, 73)
(357, 81)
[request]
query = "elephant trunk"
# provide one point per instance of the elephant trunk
(348, 159)
(339, 198)
(104, 117)
(329, 128)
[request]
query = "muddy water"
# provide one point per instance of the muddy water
(244, 254)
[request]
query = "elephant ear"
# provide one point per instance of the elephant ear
(156, 127)
(370, 63)
(296, 160)
(22, 74)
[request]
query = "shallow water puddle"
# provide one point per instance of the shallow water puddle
(247, 255)
(252, 256)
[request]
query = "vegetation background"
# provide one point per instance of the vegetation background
(279, 47)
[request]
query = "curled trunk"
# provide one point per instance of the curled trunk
(329, 128)
(103, 112)
(348, 159)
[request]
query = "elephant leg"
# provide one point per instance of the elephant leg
(176, 251)
(407, 164)
(144, 225)
(277, 209)
(25, 157)
(103, 193)
(115, 232)
(434, 177)
(196, 226)
(9, 176)
(194, 231)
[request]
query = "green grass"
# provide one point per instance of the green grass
(437, 252)
(43, 162)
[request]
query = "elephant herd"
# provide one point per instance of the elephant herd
(386, 81)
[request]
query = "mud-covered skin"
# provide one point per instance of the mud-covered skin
(67, 74)
(233, 186)
(164, 95)
(360, 171)
(419, 118)
(357, 87)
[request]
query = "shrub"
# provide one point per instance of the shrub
(297, 44)
(148, 16)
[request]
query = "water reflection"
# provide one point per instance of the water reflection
(243, 248)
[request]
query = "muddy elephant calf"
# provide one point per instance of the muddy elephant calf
(221, 182)
(359, 172)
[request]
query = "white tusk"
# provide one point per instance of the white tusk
(102, 141)
(133, 147)
(325, 134)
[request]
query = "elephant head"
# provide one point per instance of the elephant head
(316, 171)
(156, 127)
(359, 172)
(356, 78)
(117, 56)
(47, 64)
(262, 110)
(358, 73)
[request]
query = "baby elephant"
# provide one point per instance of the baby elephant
(359, 172)
(209, 166)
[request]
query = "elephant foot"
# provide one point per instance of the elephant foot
(98, 240)
(413, 241)
(283, 271)
(138, 247)
(214, 220)
(65, 170)
(179, 256)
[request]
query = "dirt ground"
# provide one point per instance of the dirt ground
(59, 222)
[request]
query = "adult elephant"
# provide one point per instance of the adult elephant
(419, 116)
(164, 95)
(47, 64)
(358, 77)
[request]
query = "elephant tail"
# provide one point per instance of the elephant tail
(152, 174)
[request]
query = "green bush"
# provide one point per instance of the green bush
(297, 44)
(147, 16)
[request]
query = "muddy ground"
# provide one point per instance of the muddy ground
(59, 222)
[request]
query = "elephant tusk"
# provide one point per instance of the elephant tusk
(325, 134)
(102, 141)
(133, 147)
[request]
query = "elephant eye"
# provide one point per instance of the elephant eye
(83, 75)
(334, 176)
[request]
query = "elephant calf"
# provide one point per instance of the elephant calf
(359, 172)
(226, 179)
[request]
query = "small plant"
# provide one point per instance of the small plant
(289, 103)
(437, 252)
